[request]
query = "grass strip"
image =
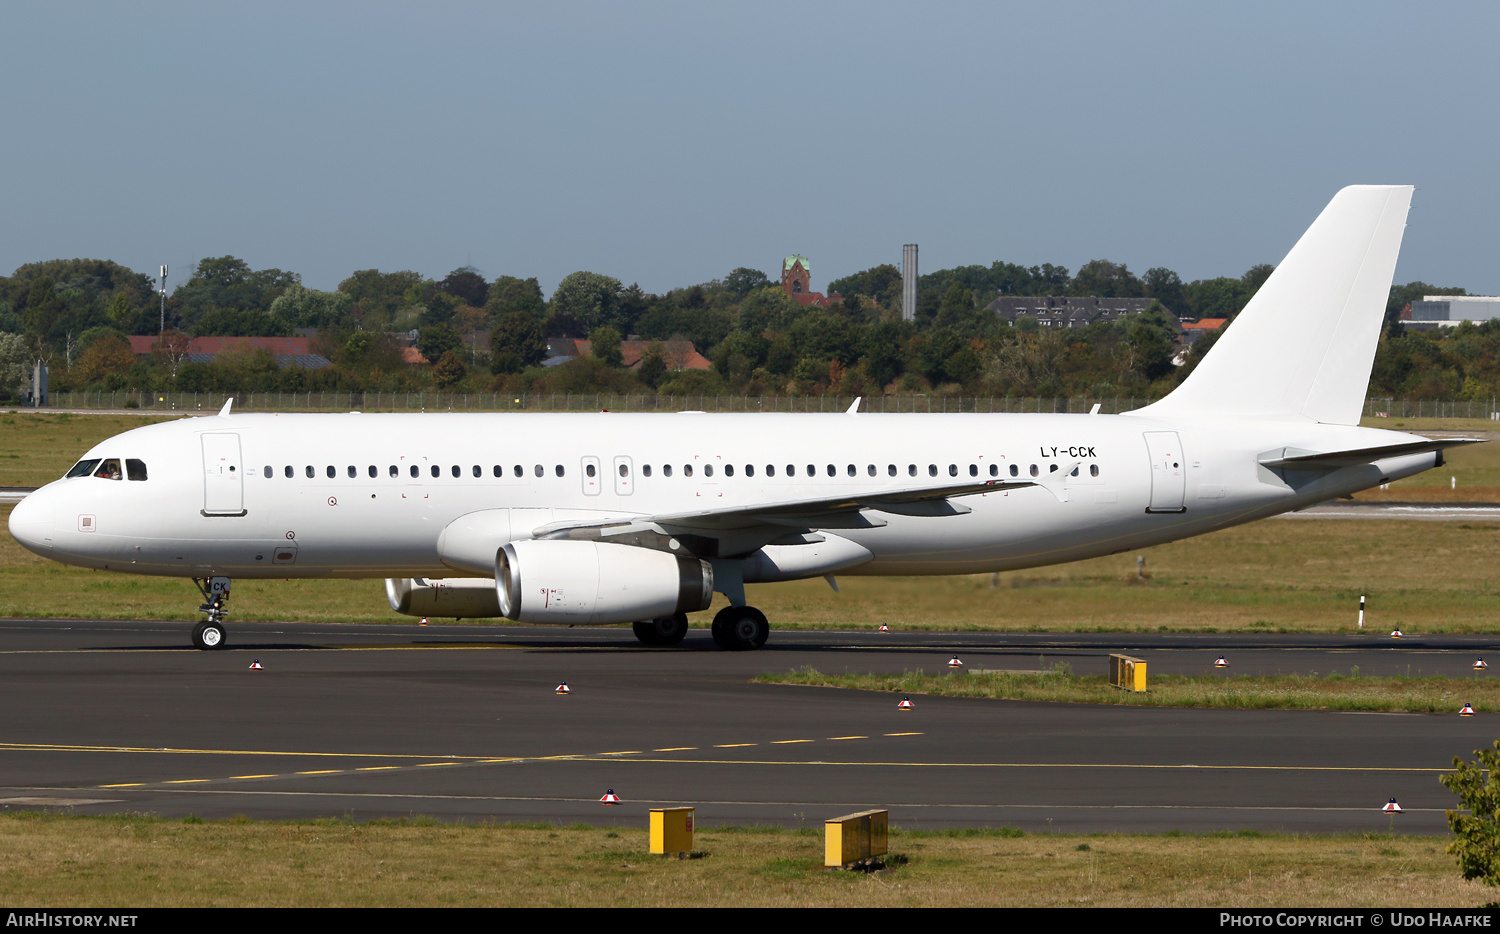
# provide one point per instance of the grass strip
(1252, 692)
(66, 861)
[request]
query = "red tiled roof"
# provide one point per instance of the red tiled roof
(1207, 324)
(681, 355)
(143, 344)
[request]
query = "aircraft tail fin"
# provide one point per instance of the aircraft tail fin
(1304, 345)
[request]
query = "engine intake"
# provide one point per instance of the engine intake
(566, 581)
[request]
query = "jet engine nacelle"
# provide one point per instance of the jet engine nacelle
(567, 581)
(458, 597)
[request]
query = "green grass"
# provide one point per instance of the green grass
(1262, 692)
(61, 861)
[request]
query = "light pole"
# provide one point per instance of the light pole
(163, 298)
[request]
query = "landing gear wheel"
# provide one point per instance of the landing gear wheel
(208, 636)
(740, 627)
(664, 630)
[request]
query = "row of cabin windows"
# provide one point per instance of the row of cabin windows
(851, 470)
(332, 472)
(687, 470)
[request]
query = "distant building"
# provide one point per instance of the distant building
(679, 355)
(796, 279)
(1195, 330)
(1446, 311)
(1059, 312)
(286, 351)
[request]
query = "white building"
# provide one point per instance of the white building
(1446, 311)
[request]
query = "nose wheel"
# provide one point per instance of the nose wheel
(211, 634)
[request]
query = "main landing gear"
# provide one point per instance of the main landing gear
(211, 634)
(740, 627)
(664, 630)
(735, 627)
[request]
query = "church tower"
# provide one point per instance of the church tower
(796, 275)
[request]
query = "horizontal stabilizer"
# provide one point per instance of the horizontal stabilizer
(1296, 459)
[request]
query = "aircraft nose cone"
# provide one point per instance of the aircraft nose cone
(31, 523)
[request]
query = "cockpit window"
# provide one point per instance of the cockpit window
(109, 469)
(136, 469)
(83, 468)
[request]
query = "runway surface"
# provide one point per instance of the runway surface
(462, 723)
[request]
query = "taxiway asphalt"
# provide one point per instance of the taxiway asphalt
(462, 723)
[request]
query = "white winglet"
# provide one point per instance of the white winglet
(225, 410)
(855, 407)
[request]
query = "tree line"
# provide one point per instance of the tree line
(484, 335)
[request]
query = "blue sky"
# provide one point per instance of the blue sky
(667, 143)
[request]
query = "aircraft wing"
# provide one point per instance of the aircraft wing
(1297, 459)
(733, 529)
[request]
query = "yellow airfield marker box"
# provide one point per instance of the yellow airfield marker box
(855, 837)
(671, 830)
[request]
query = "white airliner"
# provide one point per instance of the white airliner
(616, 518)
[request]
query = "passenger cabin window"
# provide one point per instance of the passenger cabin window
(270, 471)
(932, 470)
(952, 470)
(456, 470)
(353, 471)
(559, 470)
(851, 471)
(770, 470)
(82, 469)
(911, 470)
(477, 471)
(646, 469)
(1034, 471)
(1014, 470)
(832, 470)
(1093, 470)
(871, 470)
(395, 471)
(994, 470)
(708, 470)
(687, 470)
(288, 472)
(332, 472)
(109, 469)
(812, 471)
(890, 470)
(589, 470)
(499, 471)
(437, 471)
(518, 471)
(666, 470)
(539, 471)
(311, 471)
(973, 470)
(416, 471)
(373, 472)
(749, 470)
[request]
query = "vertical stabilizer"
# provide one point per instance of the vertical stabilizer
(1303, 347)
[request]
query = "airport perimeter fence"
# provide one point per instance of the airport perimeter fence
(639, 402)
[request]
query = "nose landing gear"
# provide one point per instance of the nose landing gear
(211, 634)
